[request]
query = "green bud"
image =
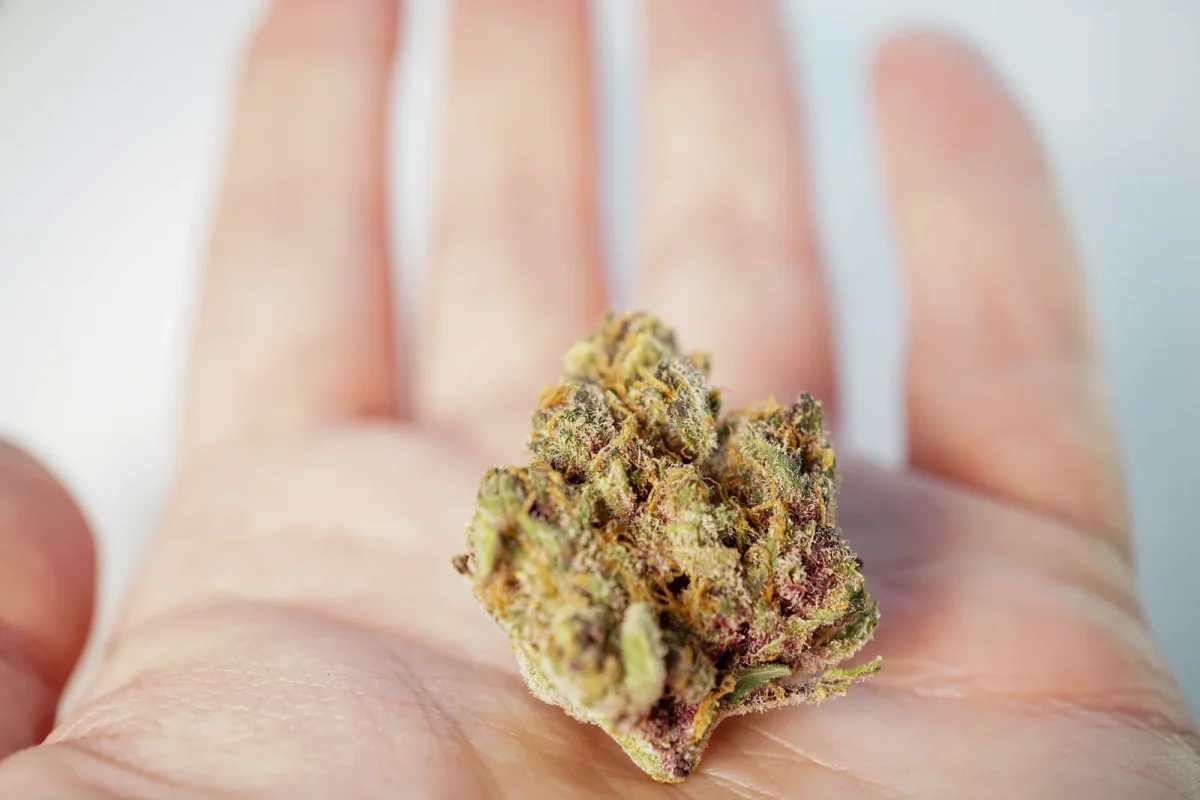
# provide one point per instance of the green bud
(658, 569)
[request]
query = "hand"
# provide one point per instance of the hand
(298, 631)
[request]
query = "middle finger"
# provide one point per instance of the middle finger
(730, 255)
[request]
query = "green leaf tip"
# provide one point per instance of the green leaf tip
(751, 678)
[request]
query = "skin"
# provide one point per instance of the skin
(297, 630)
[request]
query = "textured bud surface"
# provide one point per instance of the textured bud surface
(657, 569)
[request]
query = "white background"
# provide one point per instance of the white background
(111, 129)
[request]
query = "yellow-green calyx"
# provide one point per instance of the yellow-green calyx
(658, 569)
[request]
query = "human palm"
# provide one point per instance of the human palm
(297, 630)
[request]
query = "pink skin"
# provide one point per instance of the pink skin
(298, 631)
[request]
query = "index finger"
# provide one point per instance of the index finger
(295, 322)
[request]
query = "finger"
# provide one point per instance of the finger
(46, 586)
(730, 256)
(294, 326)
(1004, 385)
(515, 275)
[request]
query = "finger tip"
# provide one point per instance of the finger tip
(28, 485)
(936, 73)
(47, 562)
(916, 55)
(937, 93)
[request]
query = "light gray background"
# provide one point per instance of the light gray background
(111, 124)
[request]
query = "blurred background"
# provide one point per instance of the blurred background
(112, 121)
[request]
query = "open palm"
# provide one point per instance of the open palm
(298, 630)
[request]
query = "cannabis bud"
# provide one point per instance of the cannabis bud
(657, 569)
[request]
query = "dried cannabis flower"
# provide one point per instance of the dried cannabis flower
(657, 570)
